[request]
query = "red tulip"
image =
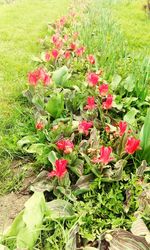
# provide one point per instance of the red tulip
(65, 38)
(55, 53)
(90, 103)
(72, 46)
(108, 103)
(62, 21)
(104, 158)
(91, 59)
(132, 145)
(122, 127)
(80, 51)
(33, 78)
(55, 38)
(84, 127)
(39, 126)
(46, 80)
(103, 89)
(67, 55)
(60, 168)
(107, 129)
(92, 79)
(47, 57)
(59, 44)
(65, 145)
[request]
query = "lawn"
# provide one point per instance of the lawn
(135, 24)
(75, 138)
(22, 24)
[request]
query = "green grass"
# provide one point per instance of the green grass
(22, 24)
(102, 31)
(134, 23)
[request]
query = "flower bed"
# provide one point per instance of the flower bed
(86, 149)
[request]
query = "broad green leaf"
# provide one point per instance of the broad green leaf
(26, 227)
(115, 82)
(55, 105)
(59, 209)
(52, 157)
(41, 183)
(16, 226)
(83, 184)
(129, 83)
(38, 101)
(145, 139)
(26, 140)
(130, 116)
(36, 148)
(60, 76)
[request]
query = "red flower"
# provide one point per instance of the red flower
(65, 38)
(47, 57)
(92, 79)
(59, 44)
(122, 127)
(33, 78)
(104, 158)
(91, 59)
(65, 145)
(39, 126)
(84, 127)
(103, 89)
(72, 46)
(90, 103)
(60, 168)
(80, 51)
(55, 38)
(108, 103)
(67, 55)
(132, 145)
(55, 53)
(107, 129)
(46, 79)
(62, 21)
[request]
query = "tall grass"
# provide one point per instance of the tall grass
(100, 32)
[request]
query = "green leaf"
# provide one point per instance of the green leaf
(129, 83)
(83, 184)
(26, 227)
(145, 138)
(36, 148)
(55, 105)
(52, 157)
(130, 116)
(29, 139)
(41, 183)
(60, 76)
(115, 81)
(60, 209)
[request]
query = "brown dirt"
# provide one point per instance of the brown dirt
(10, 205)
